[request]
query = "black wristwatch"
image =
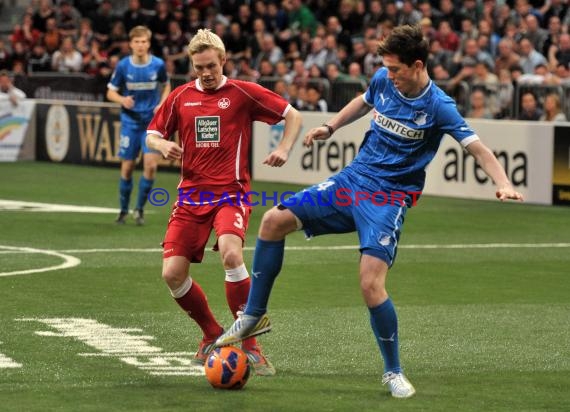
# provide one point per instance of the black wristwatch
(328, 126)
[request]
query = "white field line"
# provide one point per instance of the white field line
(68, 261)
(355, 247)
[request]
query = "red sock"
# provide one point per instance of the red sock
(236, 296)
(194, 303)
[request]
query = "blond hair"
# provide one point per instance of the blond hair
(204, 39)
(140, 31)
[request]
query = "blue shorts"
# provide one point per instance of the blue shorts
(338, 205)
(133, 138)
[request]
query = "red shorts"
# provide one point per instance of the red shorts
(189, 228)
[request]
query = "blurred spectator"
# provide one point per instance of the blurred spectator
(372, 60)
(19, 55)
(450, 14)
(348, 17)
(44, 12)
(553, 109)
(8, 90)
(427, 28)
(409, 14)
(355, 73)
(86, 33)
(52, 37)
(294, 99)
(67, 59)
(529, 107)
(276, 18)
(563, 73)
(96, 60)
(553, 37)
(300, 17)
(536, 34)
(375, 14)
(506, 55)
(333, 73)
(117, 39)
(282, 71)
(318, 54)
(134, 16)
(281, 89)
(269, 51)
(358, 53)
(505, 94)
(479, 108)
(299, 75)
(530, 58)
(560, 54)
(440, 73)
(315, 72)
(68, 19)
(334, 28)
(314, 101)
(193, 21)
(554, 8)
(485, 28)
(487, 81)
(175, 48)
(102, 21)
(445, 35)
(26, 33)
(332, 48)
(39, 60)
(235, 41)
(5, 56)
(439, 56)
(430, 12)
(244, 19)
(471, 49)
(265, 68)
(158, 24)
(471, 10)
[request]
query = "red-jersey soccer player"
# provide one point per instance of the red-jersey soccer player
(213, 116)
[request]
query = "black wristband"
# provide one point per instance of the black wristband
(329, 127)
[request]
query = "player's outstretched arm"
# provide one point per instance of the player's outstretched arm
(170, 150)
(355, 109)
(487, 160)
(293, 123)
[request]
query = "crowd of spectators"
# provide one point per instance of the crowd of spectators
(488, 45)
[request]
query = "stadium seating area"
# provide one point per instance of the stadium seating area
(318, 54)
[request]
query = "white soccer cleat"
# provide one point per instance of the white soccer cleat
(399, 386)
(245, 326)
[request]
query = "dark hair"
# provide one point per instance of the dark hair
(408, 43)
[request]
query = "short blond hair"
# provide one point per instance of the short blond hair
(140, 31)
(204, 39)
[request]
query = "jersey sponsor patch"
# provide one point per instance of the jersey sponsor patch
(207, 131)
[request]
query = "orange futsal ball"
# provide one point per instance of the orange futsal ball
(227, 368)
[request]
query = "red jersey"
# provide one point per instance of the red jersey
(214, 128)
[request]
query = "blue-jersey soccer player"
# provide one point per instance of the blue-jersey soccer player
(139, 84)
(410, 115)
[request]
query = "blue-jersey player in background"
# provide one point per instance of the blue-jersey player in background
(410, 115)
(139, 84)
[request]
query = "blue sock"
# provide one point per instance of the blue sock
(384, 323)
(125, 189)
(144, 189)
(267, 261)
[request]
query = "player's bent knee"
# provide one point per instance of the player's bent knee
(232, 258)
(277, 223)
(173, 276)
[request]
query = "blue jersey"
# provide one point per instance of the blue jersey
(405, 134)
(140, 81)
